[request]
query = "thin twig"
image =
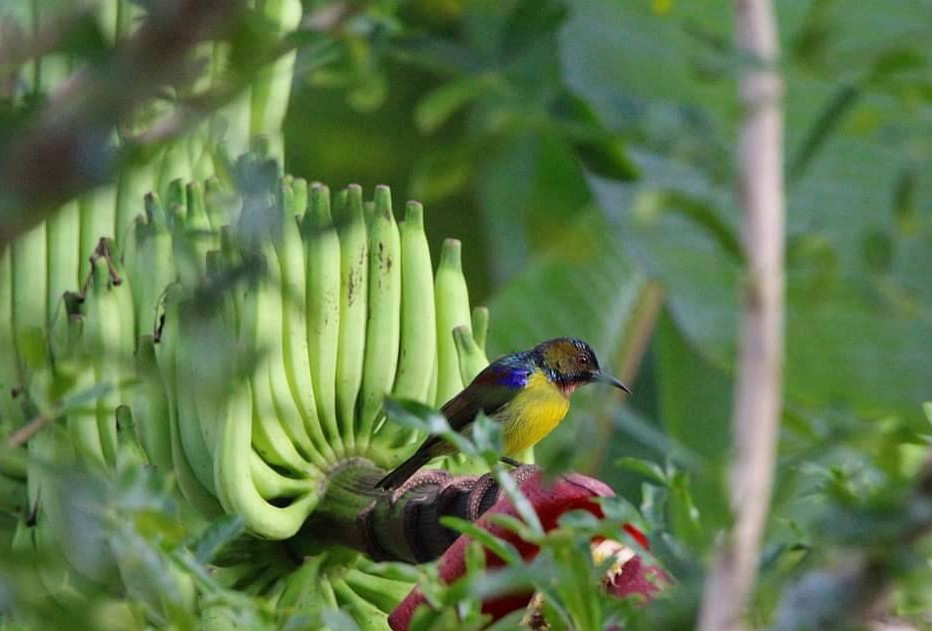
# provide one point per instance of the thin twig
(22, 435)
(760, 356)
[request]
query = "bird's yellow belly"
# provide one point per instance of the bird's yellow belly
(531, 415)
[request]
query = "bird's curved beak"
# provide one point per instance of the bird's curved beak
(606, 378)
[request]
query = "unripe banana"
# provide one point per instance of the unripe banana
(64, 252)
(273, 485)
(152, 267)
(417, 358)
(188, 401)
(297, 365)
(270, 90)
(150, 408)
(234, 477)
(102, 333)
(134, 184)
(367, 616)
(452, 298)
(98, 221)
(302, 587)
(271, 441)
(384, 320)
(382, 592)
(10, 384)
(165, 353)
(471, 358)
(354, 300)
(271, 317)
(81, 421)
(322, 254)
(174, 166)
(418, 323)
(29, 290)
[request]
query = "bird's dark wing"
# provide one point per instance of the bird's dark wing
(489, 391)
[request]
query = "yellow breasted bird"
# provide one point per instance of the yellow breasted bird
(527, 392)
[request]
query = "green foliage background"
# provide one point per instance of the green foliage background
(583, 150)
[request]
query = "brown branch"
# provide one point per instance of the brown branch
(760, 357)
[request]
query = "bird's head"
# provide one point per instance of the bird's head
(570, 363)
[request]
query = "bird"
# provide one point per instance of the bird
(527, 392)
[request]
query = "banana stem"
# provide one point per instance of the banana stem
(403, 525)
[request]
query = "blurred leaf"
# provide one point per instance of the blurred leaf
(438, 106)
(648, 469)
(496, 546)
(220, 533)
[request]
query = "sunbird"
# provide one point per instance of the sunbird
(527, 392)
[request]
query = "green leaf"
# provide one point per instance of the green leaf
(223, 531)
(500, 548)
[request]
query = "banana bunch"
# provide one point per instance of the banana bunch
(237, 333)
(273, 322)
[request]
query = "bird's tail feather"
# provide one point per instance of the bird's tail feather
(400, 474)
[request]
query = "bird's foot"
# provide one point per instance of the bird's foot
(514, 463)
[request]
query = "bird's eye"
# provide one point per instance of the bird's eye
(583, 360)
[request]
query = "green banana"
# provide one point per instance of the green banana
(273, 345)
(382, 592)
(452, 299)
(165, 352)
(269, 95)
(256, 329)
(322, 255)
(98, 221)
(291, 264)
(234, 480)
(354, 300)
(64, 257)
(150, 408)
(81, 421)
(29, 290)
(418, 325)
(133, 185)
(101, 335)
(367, 616)
(188, 399)
(384, 319)
(271, 484)
(302, 588)
(152, 266)
(471, 358)
(10, 383)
